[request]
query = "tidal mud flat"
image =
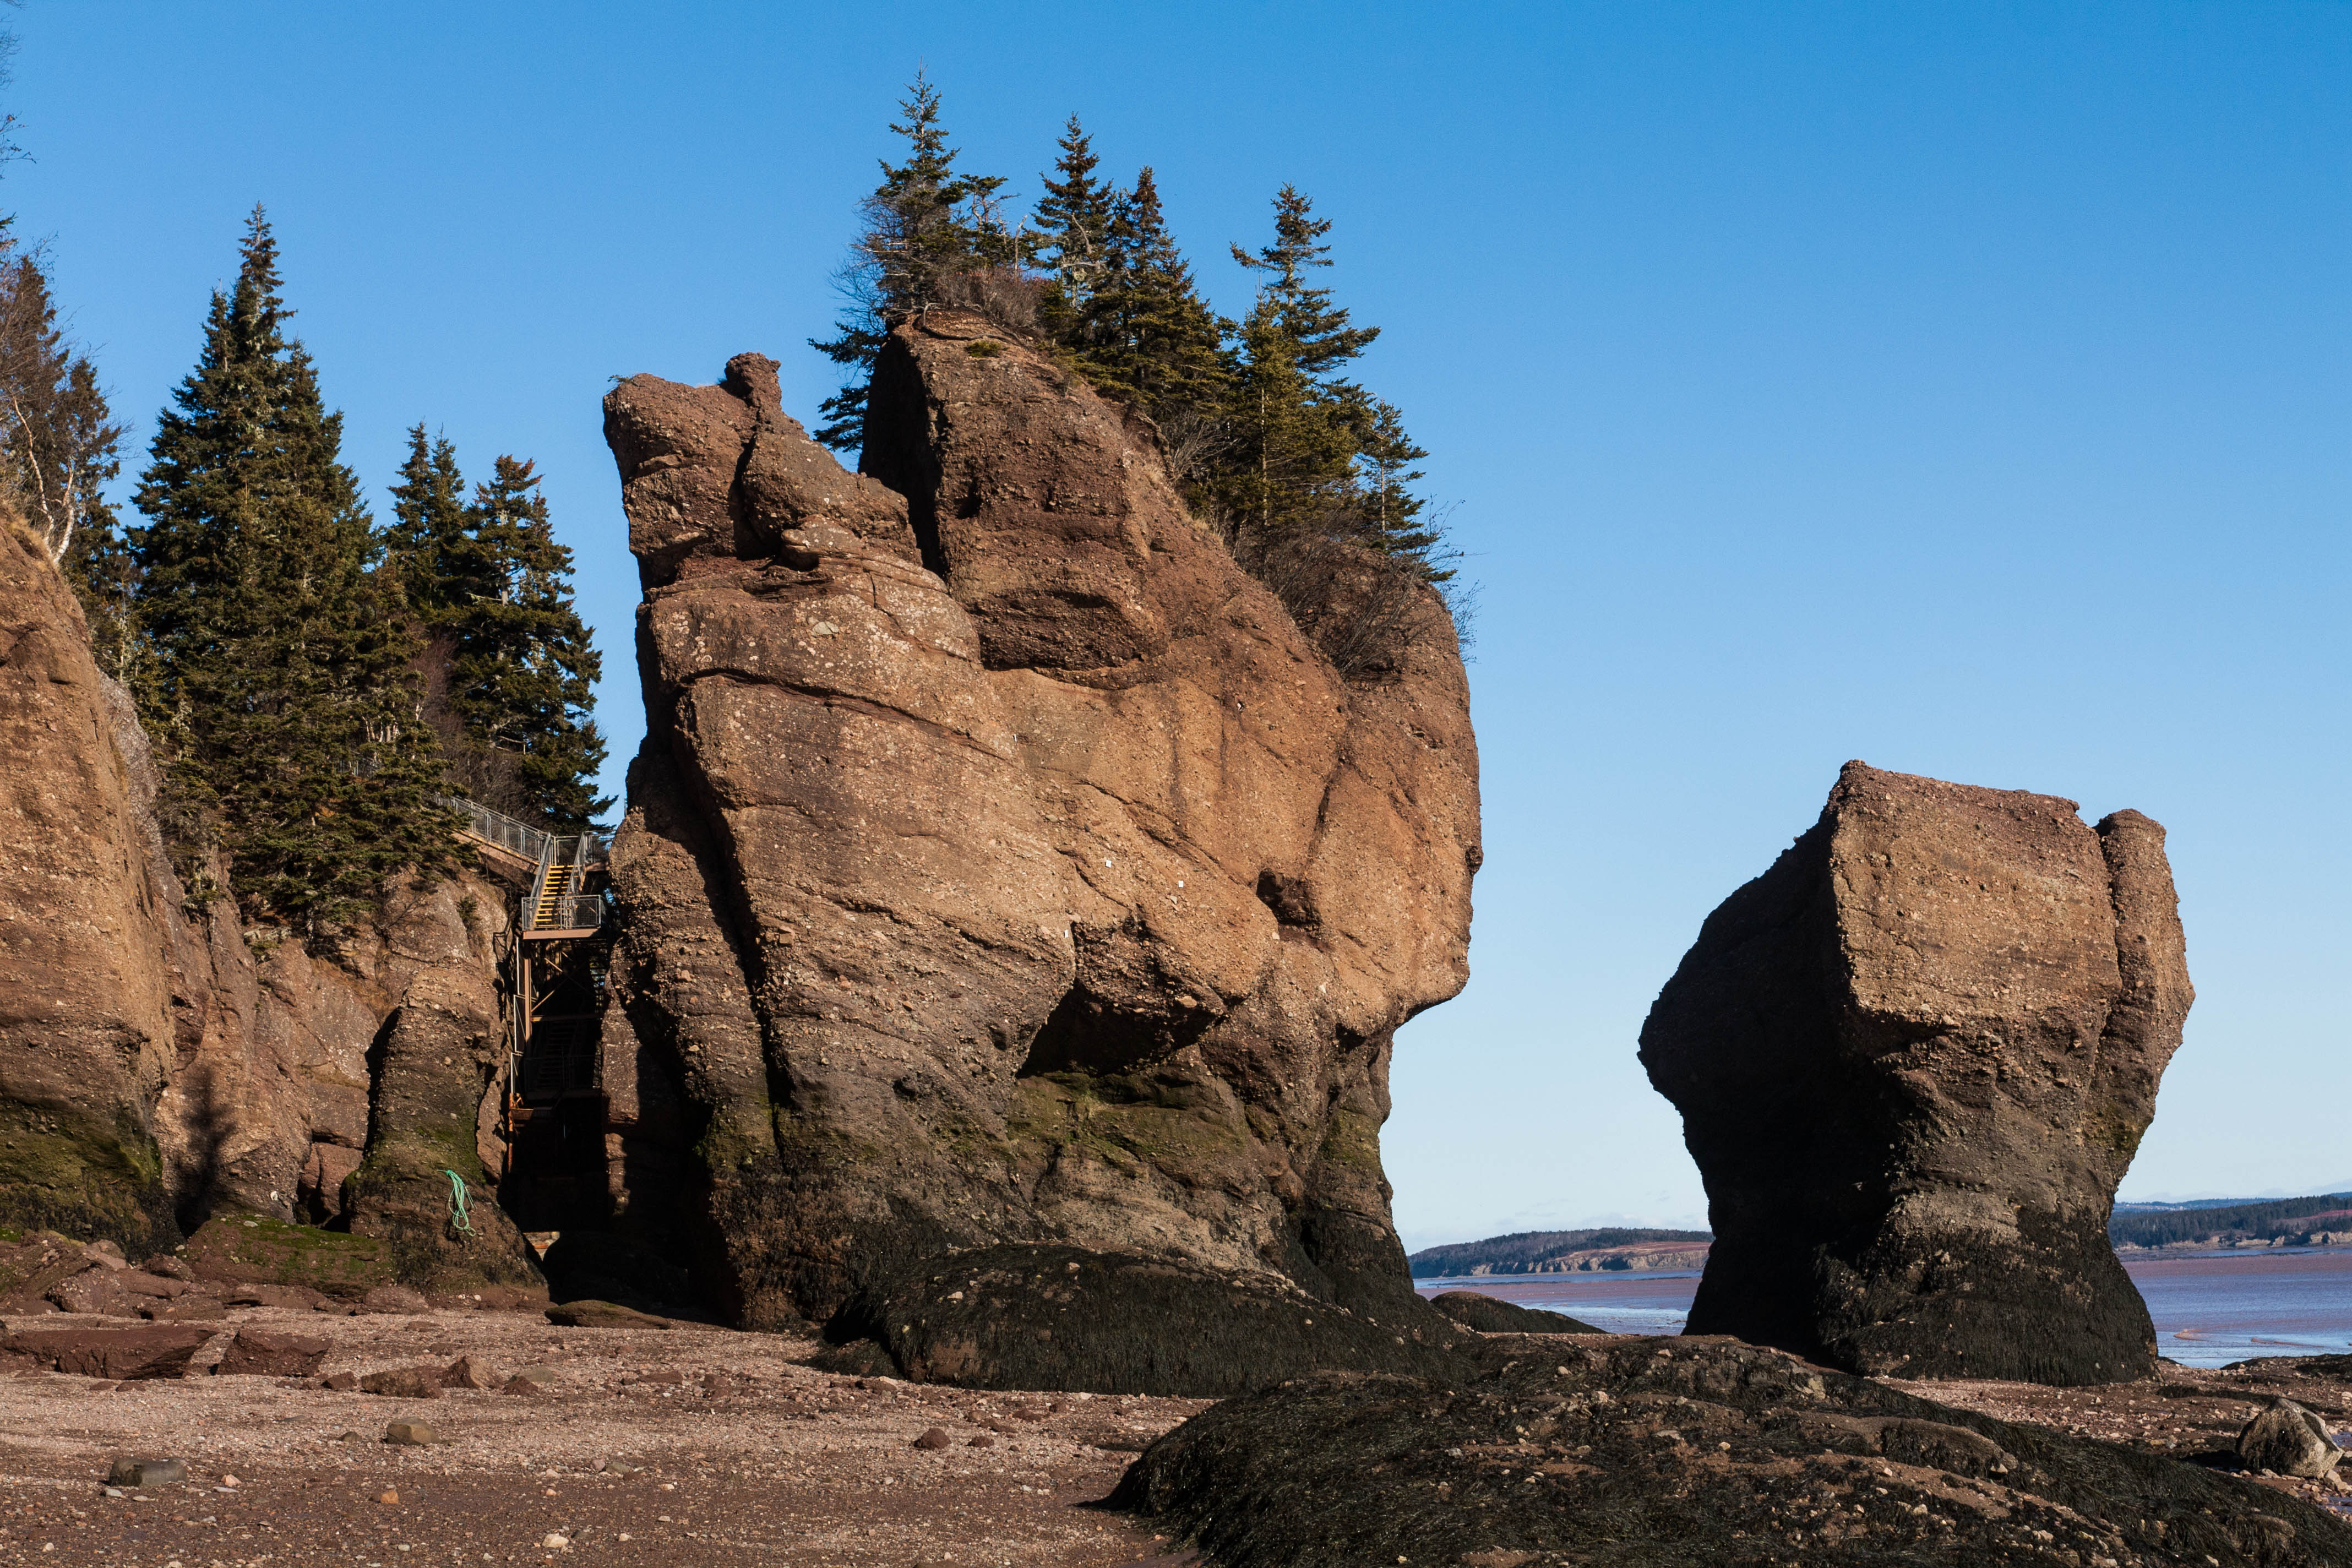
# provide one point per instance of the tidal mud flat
(680, 1447)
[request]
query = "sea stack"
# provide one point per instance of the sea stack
(1015, 905)
(1914, 1060)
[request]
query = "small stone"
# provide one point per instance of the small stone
(932, 1438)
(394, 1298)
(230, 1481)
(555, 1542)
(343, 1382)
(410, 1434)
(983, 1441)
(388, 1497)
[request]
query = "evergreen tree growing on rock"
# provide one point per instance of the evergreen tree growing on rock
(428, 546)
(59, 446)
(523, 668)
(931, 236)
(283, 703)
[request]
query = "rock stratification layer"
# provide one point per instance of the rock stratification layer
(1914, 1059)
(1003, 867)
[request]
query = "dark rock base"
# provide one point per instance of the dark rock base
(1492, 1315)
(1648, 1451)
(1062, 1317)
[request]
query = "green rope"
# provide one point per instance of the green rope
(459, 1221)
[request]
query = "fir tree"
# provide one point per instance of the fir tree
(1290, 459)
(282, 699)
(1393, 513)
(59, 443)
(523, 670)
(1071, 237)
(1155, 343)
(1319, 328)
(428, 547)
(925, 226)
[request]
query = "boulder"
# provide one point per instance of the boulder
(468, 1372)
(1493, 1315)
(248, 1251)
(1656, 1451)
(603, 1315)
(127, 1355)
(1017, 1317)
(146, 1472)
(95, 1291)
(1914, 1059)
(394, 1298)
(2288, 1440)
(268, 1352)
(1003, 865)
(404, 1382)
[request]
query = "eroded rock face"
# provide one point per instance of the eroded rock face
(87, 1022)
(155, 1066)
(1002, 865)
(1914, 1059)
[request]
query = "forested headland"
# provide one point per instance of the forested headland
(315, 679)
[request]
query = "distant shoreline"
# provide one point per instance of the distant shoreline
(1667, 1260)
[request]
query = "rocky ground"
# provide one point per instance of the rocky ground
(2181, 1412)
(641, 1446)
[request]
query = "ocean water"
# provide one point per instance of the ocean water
(2209, 1309)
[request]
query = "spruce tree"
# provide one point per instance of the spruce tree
(523, 670)
(1318, 331)
(1155, 341)
(1393, 513)
(1071, 239)
(283, 699)
(1289, 464)
(427, 546)
(925, 226)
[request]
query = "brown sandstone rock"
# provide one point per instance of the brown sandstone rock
(1914, 1059)
(86, 1005)
(1017, 873)
(268, 1352)
(404, 1382)
(126, 1355)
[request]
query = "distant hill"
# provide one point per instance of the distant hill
(1564, 1252)
(2269, 1221)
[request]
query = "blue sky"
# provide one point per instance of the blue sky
(1963, 388)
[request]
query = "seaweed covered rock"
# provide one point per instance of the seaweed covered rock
(1003, 866)
(1914, 1060)
(1646, 1451)
(1062, 1317)
(1493, 1315)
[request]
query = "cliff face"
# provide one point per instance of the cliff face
(86, 948)
(1003, 867)
(1914, 1060)
(153, 1066)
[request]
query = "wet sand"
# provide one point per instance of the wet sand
(739, 1455)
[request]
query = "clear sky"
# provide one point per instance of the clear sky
(1960, 387)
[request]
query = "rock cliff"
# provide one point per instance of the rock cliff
(157, 1062)
(1002, 867)
(1914, 1059)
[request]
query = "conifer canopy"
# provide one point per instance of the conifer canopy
(283, 699)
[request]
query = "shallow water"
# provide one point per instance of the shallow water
(2209, 1309)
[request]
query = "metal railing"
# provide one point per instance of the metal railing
(498, 830)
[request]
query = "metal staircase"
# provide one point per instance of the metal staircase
(554, 1117)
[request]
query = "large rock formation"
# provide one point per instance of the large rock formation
(1914, 1059)
(157, 1061)
(1003, 866)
